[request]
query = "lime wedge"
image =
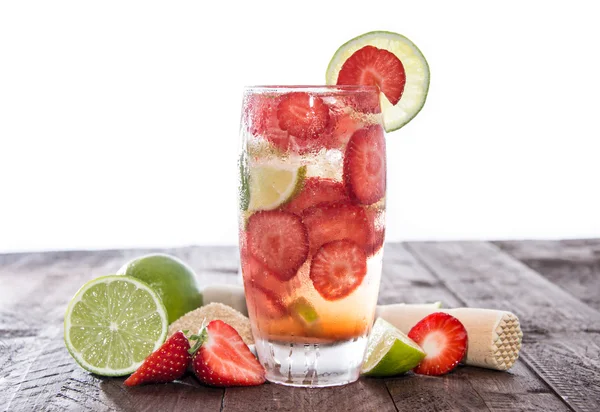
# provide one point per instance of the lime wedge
(271, 187)
(415, 66)
(304, 310)
(113, 323)
(390, 352)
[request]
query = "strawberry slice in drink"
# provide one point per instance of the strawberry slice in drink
(376, 221)
(364, 165)
(371, 66)
(316, 191)
(257, 275)
(303, 115)
(444, 340)
(338, 268)
(262, 302)
(343, 126)
(263, 121)
(335, 221)
(366, 102)
(278, 240)
(293, 122)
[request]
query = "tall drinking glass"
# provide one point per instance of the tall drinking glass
(312, 205)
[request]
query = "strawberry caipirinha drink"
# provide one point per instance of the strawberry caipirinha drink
(311, 227)
(312, 211)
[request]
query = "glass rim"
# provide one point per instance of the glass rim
(312, 88)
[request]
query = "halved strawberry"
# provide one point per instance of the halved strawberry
(221, 358)
(338, 268)
(444, 340)
(335, 221)
(364, 165)
(303, 115)
(371, 66)
(376, 220)
(278, 240)
(315, 191)
(167, 363)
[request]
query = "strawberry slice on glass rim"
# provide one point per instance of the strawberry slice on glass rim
(391, 62)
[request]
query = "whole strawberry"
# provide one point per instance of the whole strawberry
(166, 364)
(221, 358)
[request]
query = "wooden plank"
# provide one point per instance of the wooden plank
(84, 391)
(34, 362)
(572, 264)
(405, 279)
(561, 332)
(365, 395)
(41, 374)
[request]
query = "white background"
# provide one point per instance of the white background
(119, 120)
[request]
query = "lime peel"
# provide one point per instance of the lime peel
(390, 352)
(271, 187)
(303, 309)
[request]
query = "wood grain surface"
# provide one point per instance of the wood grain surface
(552, 286)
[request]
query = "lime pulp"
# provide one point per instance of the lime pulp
(390, 352)
(113, 323)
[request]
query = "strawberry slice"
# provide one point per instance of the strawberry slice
(303, 115)
(221, 358)
(166, 364)
(278, 240)
(263, 302)
(335, 221)
(371, 66)
(275, 119)
(376, 220)
(343, 126)
(262, 115)
(338, 268)
(316, 191)
(257, 275)
(444, 340)
(365, 102)
(364, 165)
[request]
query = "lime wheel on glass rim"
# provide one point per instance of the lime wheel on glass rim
(391, 62)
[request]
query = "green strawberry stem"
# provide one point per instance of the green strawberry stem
(200, 339)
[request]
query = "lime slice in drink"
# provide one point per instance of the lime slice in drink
(271, 187)
(390, 352)
(303, 310)
(373, 60)
(113, 323)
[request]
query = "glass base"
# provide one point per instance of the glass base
(312, 365)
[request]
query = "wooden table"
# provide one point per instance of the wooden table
(554, 288)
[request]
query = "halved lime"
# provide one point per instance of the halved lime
(113, 323)
(390, 352)
(416, 71)
(271, 187)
